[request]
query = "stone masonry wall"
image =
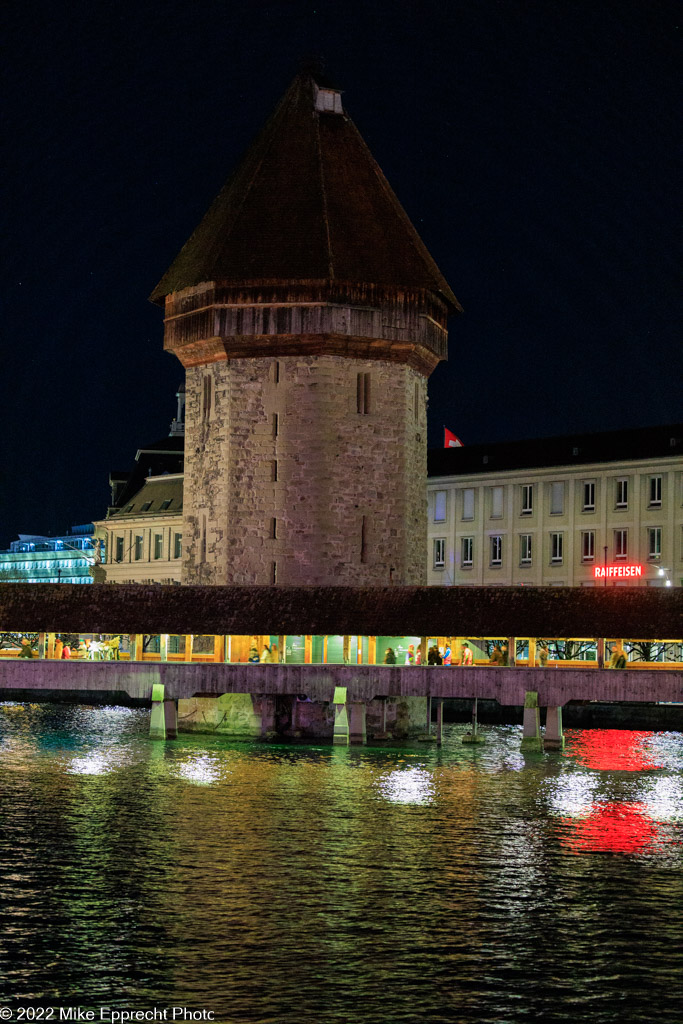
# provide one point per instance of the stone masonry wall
(295, 485)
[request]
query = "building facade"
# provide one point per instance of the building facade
(590, 510)
(65, 559)
(308, 316)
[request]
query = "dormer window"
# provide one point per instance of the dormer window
(328, 101)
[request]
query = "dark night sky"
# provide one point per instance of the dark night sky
(533, 143)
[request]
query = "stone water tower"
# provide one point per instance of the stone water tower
(308, 315)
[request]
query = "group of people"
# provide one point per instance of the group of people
(91, 650)
(270, 655)
(434, 655)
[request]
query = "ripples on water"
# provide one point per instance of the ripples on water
(291, 885)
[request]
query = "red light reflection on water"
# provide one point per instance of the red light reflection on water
(612, 749)
(612, 828)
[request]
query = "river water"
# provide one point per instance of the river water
(297, 884)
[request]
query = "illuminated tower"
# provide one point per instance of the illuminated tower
(308, 315)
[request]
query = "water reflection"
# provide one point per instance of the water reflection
(316, 884)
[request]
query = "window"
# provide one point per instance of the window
(556, 540)
(416, 402)
(276, 424)
(273, 573)
(158, 545)
(119, 549)
(589, 496)
(177, 545)
(557, 498)
(467, 552)
(527, 499)
(273, 528)
(275, 372)
(496, 503)
(655, 491)
(654, 542)
(468, 503)
(363, 393)
(525, 549)
(588, 546)
(207, 395)
(496, 550)
(166, 503)
(202, 541)
(621, 543)
(440, 507)
(138, 547)
(439, 552)
(273, 471)
(621, 493)
(363, 540)
(146, 506)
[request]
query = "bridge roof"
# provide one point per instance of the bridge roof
(635, 613)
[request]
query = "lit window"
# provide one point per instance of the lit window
(439, 552)
(621, 543)
(557, 498)
(496, 551)
(440, 507)
(655, 491)
(654, 542)
(589, 496)
(527, 499)
(621, 493)
(467, 552)
(588, 546)
(556, 541)
(525, 549)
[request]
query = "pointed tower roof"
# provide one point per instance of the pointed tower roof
(307, 203)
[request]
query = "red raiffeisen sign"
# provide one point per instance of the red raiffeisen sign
(615, 571)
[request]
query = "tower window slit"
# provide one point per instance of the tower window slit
(273, 528)
(363, 540)
(273, 470)
(363, 392)
(276, 424)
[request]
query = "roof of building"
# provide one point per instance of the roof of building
(156, 459)
(571, 450)
(158, 496)
(633, 613)
(308, 203)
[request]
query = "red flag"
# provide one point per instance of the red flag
(450, 440)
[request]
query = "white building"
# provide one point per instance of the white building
(64, 559)
(589, 510)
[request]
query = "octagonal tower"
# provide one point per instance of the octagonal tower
(308, 315)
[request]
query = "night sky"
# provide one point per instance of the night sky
(535, 144)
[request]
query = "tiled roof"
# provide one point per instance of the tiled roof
(634, 613)
(161, 495)
(308, 203)
(572, 450)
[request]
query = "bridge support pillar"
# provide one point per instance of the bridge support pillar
(340, 736)
(531, 730)
(157, 720)
(357, 722)
(171, 719)
(474, 736)
(554, 737)
(439, 721)
(163, 647)
(268, 716)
